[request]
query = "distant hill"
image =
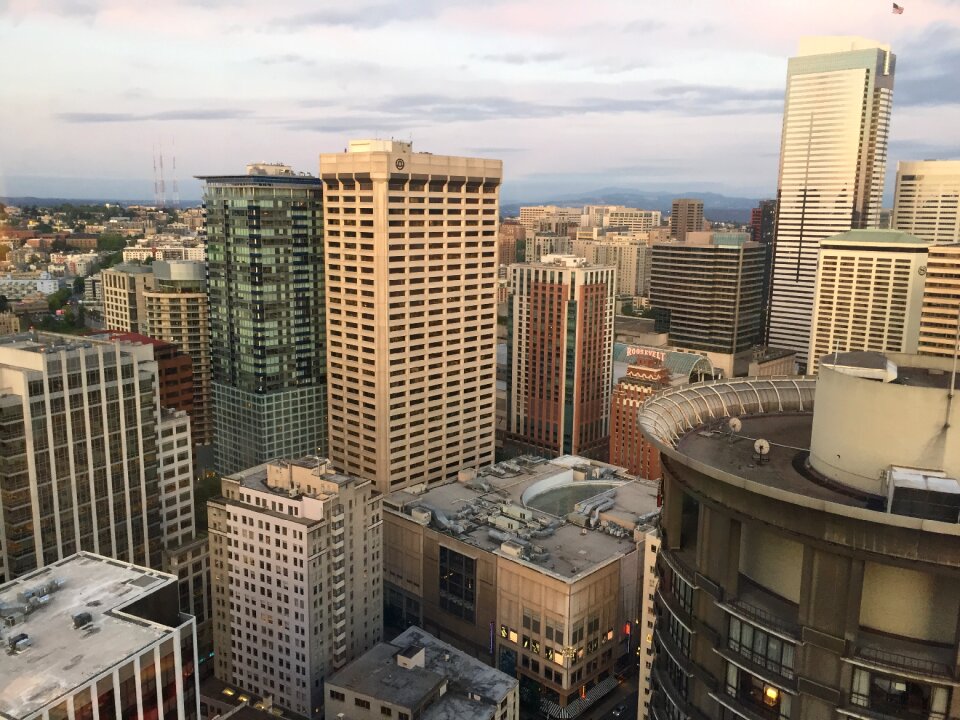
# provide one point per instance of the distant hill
(720, 208)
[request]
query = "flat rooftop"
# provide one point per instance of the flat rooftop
(376, 674)
(789, 438)
(62, 658)
(527, 509)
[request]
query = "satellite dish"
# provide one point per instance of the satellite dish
(761, 447)
(734, 424)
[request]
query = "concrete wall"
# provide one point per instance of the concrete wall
(772, 561)
(906, 602)
(847, 447)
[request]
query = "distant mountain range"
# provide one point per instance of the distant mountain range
(720, 208)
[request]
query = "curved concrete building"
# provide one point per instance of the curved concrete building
(820, 578)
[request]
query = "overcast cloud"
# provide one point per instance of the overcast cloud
(569, 94)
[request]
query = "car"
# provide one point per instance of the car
(619, 711)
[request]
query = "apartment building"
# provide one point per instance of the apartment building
(510, 235)
(89, 636)
(535, 218)
(560, 350)
(628, 447)
(124, 306)
(628, 252)
(869, 293)
(927, 200)
(296, 570)
(626, 219)
(410, 246)
(541, 243)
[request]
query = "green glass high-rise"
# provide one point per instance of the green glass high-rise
(265, 280)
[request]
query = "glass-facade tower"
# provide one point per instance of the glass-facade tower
(265, 284)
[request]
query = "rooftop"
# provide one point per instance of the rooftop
(886, 237)
(565, 517)
(474, 689)
(61, 656)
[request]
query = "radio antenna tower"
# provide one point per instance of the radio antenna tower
(176, 187)
(163, 184)
(156, 182)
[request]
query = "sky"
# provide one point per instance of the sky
(571, 95)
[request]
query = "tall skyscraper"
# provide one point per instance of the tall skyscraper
(123, 301)
(927, 201)
(79, 469)
(411, 246)
(628, 447)
(560, 350)
(940, 315)
(869, 293)
(712, 286)
(686, 216)
(177, 312)
(297, 591)
(832, 162)
(265, 284)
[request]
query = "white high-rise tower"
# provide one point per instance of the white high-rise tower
(832, 163)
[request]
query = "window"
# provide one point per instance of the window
(334, 695)
(385, 711)
(361, 703)
(769, 700)
(458, 578)
(760, 647)
(892, 695)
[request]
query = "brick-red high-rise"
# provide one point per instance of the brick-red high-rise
(560, 346)
(628, 447)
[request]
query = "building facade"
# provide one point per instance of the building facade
(560, 350)
(177, 312)
(296, 569)
(763, 222)
(940, 315)
(123, 289)
(809, 588)
(712, 287)
(927, 200)
(628, 446)
(629, 253)
(558, 609)
(869, 293)
(80, 460)
(140, 647)
(411, 246)
(509, 237)
(686, 216)
(265, 284)
(839, 90)
(535, 218)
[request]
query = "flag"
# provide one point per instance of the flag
(897, 10)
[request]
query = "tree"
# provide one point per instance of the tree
(78, 286)
(4, 303)
(58, 299)
(44, 227)
(111, 241)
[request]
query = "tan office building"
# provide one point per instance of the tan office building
(940, 314)
(868, 293)
(927, 201)
(410, 245)
(686, 216)
(295, 555)
(536, 217)
(628, 252)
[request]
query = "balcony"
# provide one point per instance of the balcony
(762, 608)
(902, 656)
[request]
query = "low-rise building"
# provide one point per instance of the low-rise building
(418, 676)
(90, 636)
(9, 323)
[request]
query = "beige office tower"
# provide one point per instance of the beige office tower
(686, 216)
(124, 307)
(410, 245)
(940, 315)
(868, 293)
(629, 252)
(619, 217)
(832, 161)
(534, 217)
(927, 201)
(295, 554)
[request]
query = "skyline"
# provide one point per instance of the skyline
(516, 85)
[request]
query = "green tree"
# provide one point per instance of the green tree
(111, 241)
(4, 303)
(58, 299)
(78, 286)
